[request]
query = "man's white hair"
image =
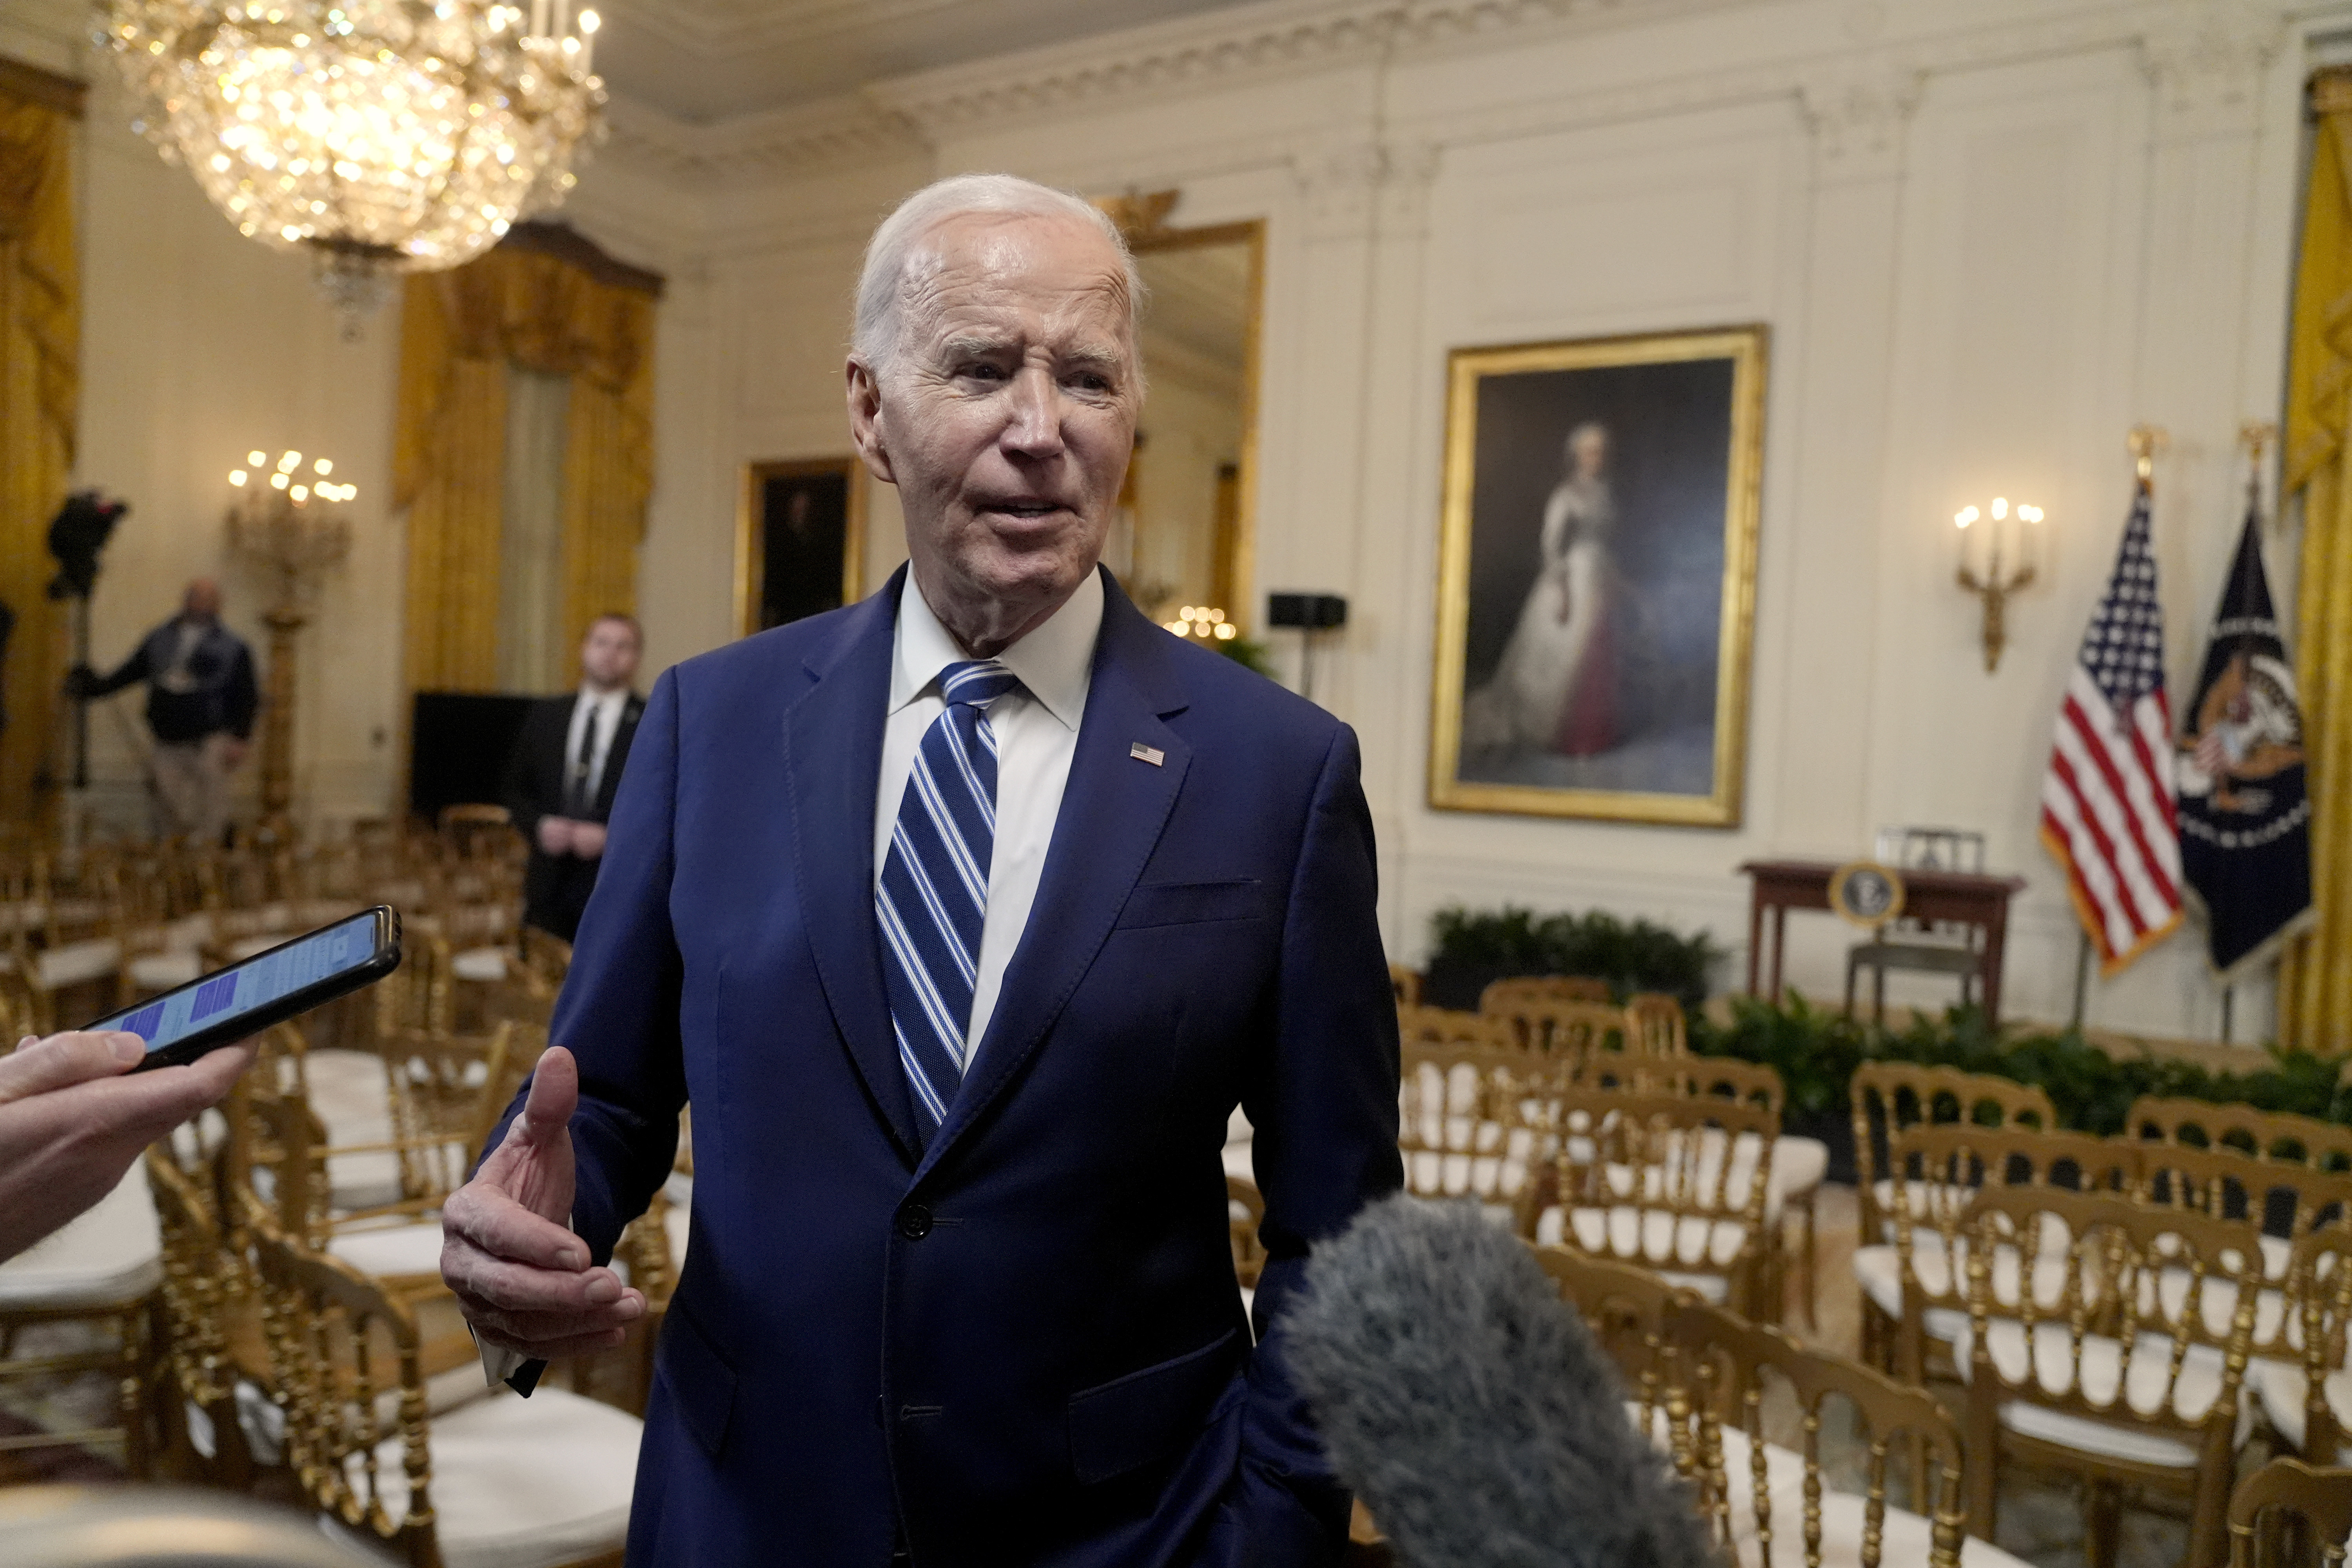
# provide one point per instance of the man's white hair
(882, 285)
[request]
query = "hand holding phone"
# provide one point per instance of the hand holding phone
(73, 1118)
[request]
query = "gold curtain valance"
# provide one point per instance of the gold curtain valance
(40, 391)
(529, 305)
(2314, 995)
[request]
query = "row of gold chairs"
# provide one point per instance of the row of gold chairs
(1574, 1121)
(2125, 1309)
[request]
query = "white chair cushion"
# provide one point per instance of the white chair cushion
(1654, 1237)
(408, 1248)
(2278, 1386)
(77, 962)
(1799, 1165)
(523, 1483)
(487, 965)
(164, 970)
(2053, 1366)
(112, 1253)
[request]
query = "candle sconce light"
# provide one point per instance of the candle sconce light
(2000, 549)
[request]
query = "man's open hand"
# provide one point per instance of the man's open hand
(71, 1123)
(520, 1276)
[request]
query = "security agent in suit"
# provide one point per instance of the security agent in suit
(565, 769)
(960, 1288)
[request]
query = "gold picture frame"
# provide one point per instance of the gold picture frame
(1597, 577)
(835, 489)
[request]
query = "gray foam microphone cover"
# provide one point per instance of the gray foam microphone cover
(1470, 1408)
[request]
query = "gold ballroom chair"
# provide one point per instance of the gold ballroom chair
(2129, 1372)
(1914, 1285)
(2316, 1501)
(1678, 1184)
(443, 1472)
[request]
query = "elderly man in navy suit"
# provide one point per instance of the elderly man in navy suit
(964, 917)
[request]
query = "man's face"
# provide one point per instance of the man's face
(203, 601)
(608, 655)
(1007, 414)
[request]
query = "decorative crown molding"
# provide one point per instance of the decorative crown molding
(833, 133)
(2207, 63)
(1858, 116)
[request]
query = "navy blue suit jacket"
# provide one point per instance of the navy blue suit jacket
(1021, 1343)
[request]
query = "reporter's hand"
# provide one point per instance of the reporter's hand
(70, 1123)
(588, 839)
(555, 834)
(521, 1278)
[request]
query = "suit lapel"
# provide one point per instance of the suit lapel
(1113, 810)
(833, 759)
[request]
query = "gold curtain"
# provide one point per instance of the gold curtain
(40, 387)
(460, 330)
(2314, 994)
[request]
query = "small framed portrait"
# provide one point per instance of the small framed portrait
(1597, 577)
(800, 540)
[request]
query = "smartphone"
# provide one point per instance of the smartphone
(228, 1005)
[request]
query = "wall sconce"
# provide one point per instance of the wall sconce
(2000, 547)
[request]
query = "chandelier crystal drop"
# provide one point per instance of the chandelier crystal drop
(376, 136)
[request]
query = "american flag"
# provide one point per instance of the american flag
(2106, 800)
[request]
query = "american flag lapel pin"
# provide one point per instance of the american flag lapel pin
(1143, 753)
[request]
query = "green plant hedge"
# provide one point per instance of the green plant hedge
(1470, 948)
(1816, 1049)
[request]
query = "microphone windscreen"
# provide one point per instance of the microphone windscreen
(1470, 1408)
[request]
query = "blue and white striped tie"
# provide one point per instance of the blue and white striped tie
(934, 890)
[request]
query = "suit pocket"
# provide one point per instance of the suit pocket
(1192, 903)
(698, 1378)
(1148, 1415)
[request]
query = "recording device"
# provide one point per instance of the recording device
(228, 1005)
(1470, 1408)
(1308, 612)
(77, 534)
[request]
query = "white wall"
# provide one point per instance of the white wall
(1988, 235)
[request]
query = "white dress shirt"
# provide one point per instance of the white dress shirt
(604, 708)
(1036, 727)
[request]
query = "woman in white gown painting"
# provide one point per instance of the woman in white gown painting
(1555, 688)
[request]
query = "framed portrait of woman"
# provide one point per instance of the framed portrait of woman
(1597, 577)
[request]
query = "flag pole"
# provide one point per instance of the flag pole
(2082, 979)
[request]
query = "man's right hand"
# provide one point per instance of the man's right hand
(521, 1278)
(555, 834)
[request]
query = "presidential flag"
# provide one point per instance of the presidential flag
(2245, 819)
(2107, 799)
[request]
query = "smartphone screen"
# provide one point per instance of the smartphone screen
(250, 986)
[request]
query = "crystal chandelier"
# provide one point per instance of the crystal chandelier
(378, 136)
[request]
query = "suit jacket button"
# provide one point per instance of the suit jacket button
(914, 1221)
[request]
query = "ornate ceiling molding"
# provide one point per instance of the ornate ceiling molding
(836, 133)
(1280, 37)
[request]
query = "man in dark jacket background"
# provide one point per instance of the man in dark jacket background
(201, 701)
(563, 771)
